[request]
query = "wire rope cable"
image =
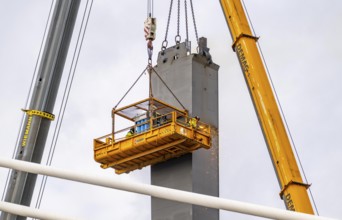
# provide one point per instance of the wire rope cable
(66, 95)
(168, 88)
(281, 109)
(152, 8)
(149, 8)
(27, 100)
(135, 82)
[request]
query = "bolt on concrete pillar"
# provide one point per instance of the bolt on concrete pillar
(193, 78)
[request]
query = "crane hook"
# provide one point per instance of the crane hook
(150, 29)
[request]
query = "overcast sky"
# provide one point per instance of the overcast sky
(301, 43)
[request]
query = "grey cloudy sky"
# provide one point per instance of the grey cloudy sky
(301, 42)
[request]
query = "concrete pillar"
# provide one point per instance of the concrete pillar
(193, 78)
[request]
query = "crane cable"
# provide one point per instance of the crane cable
(150, 30)
(281, 109)
(66, 95)
(168, 88)
(150, 69)
(130, 88)
(149, 8)
(27, 100)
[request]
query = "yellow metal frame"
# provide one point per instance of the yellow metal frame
(39, 113)
(169, 136)
(294, 191)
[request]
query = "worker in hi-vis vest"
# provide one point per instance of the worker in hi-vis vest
(130, 132)
(193, 121)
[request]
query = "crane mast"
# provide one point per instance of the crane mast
(293, 189)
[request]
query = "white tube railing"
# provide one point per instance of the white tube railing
(31, 212)
(160, 192)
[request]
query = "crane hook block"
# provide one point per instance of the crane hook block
(150, 27)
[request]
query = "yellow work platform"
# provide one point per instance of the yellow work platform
(164, 135)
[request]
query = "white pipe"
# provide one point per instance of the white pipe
(160, 192)
(30, 212)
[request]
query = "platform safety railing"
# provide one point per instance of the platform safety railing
(153, 122)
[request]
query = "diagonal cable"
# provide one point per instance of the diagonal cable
(131, 87)
(168, 88)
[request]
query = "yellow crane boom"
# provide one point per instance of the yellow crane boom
(293, 189)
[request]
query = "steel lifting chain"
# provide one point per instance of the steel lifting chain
(187, 42)
(178, 37)
(186, 21)
(193, 18)
(164, 44)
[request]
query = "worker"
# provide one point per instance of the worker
(156, 120)
(130, 133)
(193, 122)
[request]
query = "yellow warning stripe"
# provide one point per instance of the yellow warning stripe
(40, 113)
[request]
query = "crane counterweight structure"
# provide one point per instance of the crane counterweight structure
(293, 189)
